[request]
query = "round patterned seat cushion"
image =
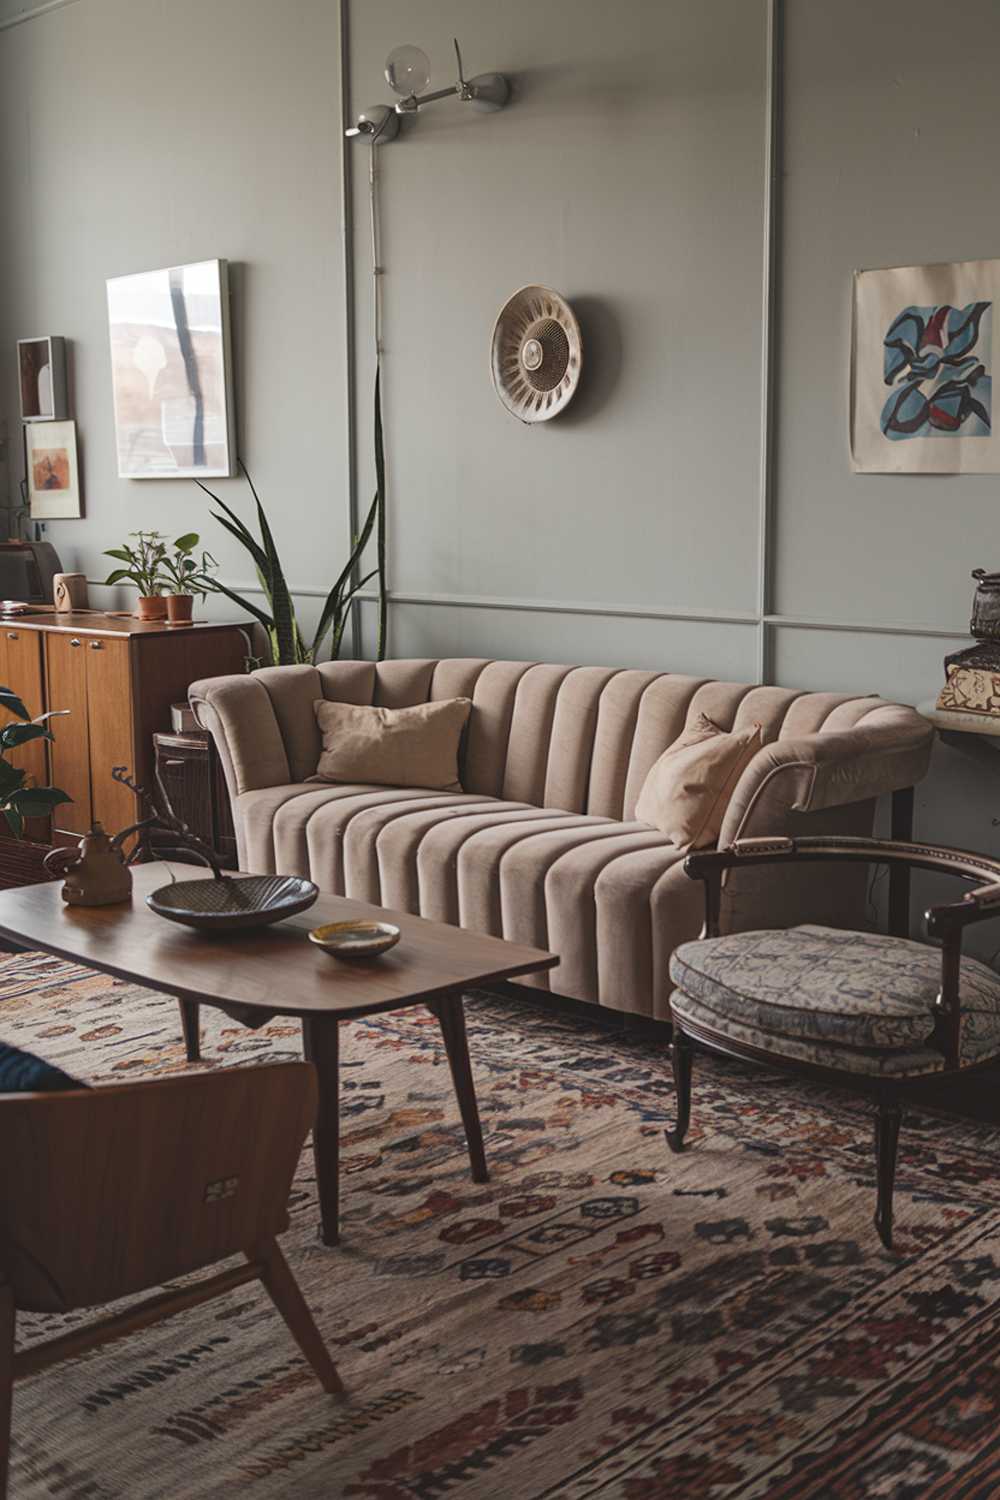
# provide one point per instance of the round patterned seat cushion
(825, 986)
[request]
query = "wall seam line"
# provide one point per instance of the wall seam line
(350, 355)
(769, 333)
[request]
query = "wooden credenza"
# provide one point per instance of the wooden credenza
(117, 677)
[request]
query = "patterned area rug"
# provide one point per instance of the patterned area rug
(601, 1319)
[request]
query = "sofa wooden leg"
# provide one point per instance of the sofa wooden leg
(6, 1380)
(888, 1118)
(899, 874)
(683, 1060)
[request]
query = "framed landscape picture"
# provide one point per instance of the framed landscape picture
(922, 369)
(171, 372)
(53, 470)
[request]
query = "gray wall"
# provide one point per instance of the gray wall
(136, 134)
(629, 173)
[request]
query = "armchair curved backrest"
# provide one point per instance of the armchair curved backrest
(108, 1191)
(945, 923)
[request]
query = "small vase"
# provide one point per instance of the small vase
(152, 607)
(180, 608)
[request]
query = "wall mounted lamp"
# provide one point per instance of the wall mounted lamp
(408, 73)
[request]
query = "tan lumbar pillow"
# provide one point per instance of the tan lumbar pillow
(687, 791)
(393, 746)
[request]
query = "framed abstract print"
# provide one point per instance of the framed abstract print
(922, 369)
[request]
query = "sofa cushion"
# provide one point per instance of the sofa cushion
(688, 789)
(400, 747)
(609, 897)
(873, 1062)
(822, 986)
(307, 827)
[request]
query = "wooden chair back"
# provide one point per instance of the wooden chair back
(105, 1192)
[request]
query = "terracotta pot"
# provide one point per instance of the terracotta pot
(152, 607)
(180, 608)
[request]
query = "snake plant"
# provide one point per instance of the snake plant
(287, 644)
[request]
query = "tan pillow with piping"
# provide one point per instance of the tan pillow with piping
(392, 746)
(687, 791)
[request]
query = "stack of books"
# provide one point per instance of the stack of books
(972, 680)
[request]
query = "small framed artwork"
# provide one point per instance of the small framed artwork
(922, 369)
(171, 372)
(53, 470)
(41, 368)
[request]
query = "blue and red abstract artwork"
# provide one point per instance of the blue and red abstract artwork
(937, 364)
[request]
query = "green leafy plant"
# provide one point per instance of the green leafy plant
(144, 562)
(287, 644)
(183, 572)
(17, 799)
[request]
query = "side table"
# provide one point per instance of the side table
(189, 767)
(978, 734)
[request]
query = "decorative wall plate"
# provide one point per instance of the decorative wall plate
(537, 354)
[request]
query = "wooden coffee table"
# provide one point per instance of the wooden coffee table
(277, 971)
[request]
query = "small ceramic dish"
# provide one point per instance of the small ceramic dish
(355, 939)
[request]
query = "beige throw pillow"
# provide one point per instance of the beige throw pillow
(687, 791)
(392, 746)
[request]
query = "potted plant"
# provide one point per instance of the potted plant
(186, 575)
(286, 643)
(144, 567)
(18, 799)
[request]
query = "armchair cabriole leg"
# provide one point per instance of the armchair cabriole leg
(683, 1060)
(888, 1118)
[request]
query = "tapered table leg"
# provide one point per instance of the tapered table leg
(191, 1028)
(321, 1044)
(451, 1017)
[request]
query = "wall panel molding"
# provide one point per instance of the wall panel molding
(909, 630)
(769, 335)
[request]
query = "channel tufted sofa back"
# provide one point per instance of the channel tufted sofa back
(581, 739)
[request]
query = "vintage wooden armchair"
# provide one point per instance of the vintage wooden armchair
(107, 1192)
(870, 1011)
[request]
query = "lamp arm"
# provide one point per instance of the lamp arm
(406, 106)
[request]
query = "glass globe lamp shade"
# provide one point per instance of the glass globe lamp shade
(407, 71)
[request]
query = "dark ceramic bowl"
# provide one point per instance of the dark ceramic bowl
(233, 904)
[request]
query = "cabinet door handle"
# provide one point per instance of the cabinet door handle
(97, 645)
(173, 763)
(76, 642)
(12, 635)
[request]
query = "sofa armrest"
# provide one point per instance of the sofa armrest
(240, 716)
(888, 750)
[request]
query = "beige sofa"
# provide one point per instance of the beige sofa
(542, 845)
